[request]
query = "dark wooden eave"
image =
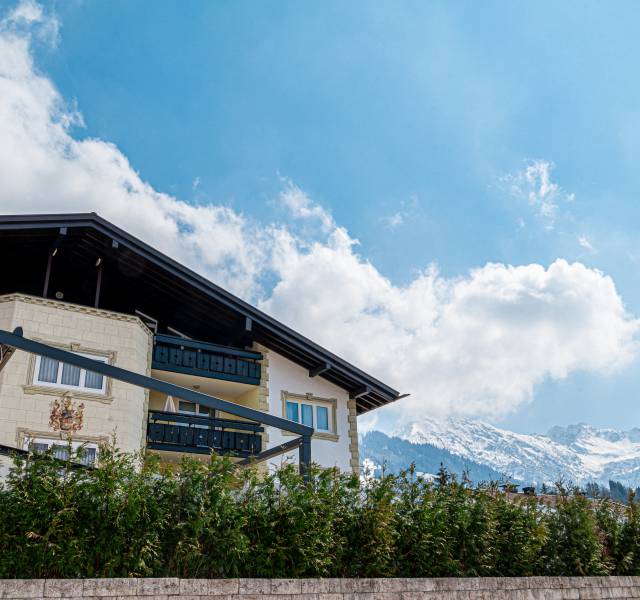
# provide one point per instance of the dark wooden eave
(188, 298)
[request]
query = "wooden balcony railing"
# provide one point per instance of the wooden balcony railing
(179, 355)
(202, 435)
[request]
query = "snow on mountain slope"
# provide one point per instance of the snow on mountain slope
(578, 453)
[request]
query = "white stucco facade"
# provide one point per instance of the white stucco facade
(335, 450)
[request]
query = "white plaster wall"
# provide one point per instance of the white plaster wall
(288, 376)
(62, 323)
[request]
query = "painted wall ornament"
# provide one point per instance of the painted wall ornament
(66, 416)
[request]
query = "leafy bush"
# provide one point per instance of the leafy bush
(574, 546)
(131, 517)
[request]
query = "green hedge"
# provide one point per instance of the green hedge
(130, 518)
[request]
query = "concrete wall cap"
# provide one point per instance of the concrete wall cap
(473, 588)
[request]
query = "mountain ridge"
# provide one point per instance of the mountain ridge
(578, 453)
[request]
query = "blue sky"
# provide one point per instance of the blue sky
(374, 108)
(411, 123)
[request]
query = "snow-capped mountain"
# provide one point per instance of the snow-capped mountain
(578, 453)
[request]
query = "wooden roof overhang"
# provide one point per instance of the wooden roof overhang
(137, 276)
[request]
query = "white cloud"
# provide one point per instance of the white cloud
(583, 242)
(300, 206)
(534, 185)
(43, 168)
(28, 18)
(478, 344)
(475, 345)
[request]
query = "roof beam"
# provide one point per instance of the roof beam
(319, 369)
(358, 392)
(366, 404)
(245, 336)
(52, 252)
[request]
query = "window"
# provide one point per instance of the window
(85, 453)
(306, 414)
(189, 408)
(293, 412)
(60, 451)
(53, 373)
(323, 418)
(311, 412)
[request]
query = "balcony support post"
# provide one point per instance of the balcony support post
(305, 457)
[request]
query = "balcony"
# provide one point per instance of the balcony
(176, 432)
(189, 357)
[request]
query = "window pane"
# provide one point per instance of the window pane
(87, 455)
(322, 412)
(93, 380)
(39, 447)
(61, 452)
(307, 414)
(205, 411)
(292, 412)
(48, 370)
(184, 406)
(70, 375)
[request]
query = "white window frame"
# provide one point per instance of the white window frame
(59, 442)
(315, 403)
(83, 373)
(195, 412)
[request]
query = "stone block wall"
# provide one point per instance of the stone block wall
(517, 588)
(122, 339)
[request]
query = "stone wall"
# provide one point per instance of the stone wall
(517, 588)
(121, 339)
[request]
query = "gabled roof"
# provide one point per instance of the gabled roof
(161, 283)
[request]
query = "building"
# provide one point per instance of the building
(80, 284)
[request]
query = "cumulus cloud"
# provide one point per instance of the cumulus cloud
(534, 184)
(477, 344)
(28, 18)
(300, 206)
